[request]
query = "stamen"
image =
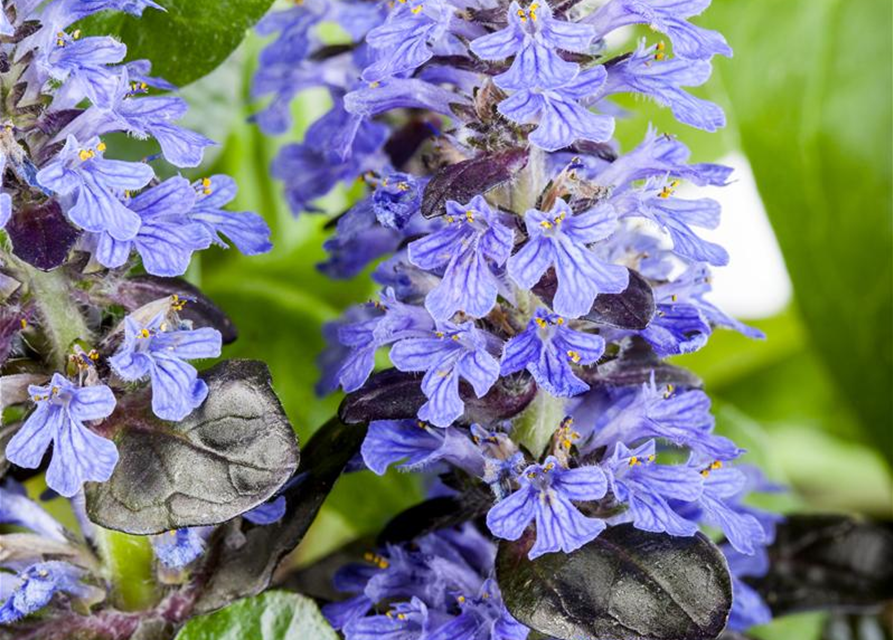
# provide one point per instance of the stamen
(574, 356)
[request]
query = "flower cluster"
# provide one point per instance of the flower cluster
(88, 318)
(518, 248)
(440, 587)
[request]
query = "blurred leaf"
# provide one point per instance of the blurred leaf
(828, 562)
(275, 615)
(811, 94)
(185, 42)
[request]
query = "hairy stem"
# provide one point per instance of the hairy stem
(61, 319)
(539, 421)
(129, 562)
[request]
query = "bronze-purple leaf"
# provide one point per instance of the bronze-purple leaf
(40, 235)
(464, 180)
(626, 584)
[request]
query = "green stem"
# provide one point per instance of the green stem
(62, 321)
(539, 421)
(129, 562)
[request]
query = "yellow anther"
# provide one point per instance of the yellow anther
(545, 224)
(542, 323)
(144, 333)
(440, 334)
(567, 443)
(522, 15)
(374, 85)
(101, 147)
(485, 595)
(532, 11)
(93, 355)
(55, 391)
(60, 42)
(85, 154)
(674, 298)
(402, 186)
(23, 323)
(560, 321)
(705, 472)
(77, 34)
(531, 475)
(36, 398)
(660, 55)
(416, 10)
(574, 356)
(401, 616)
(634, 461)
(651, 458)
(549, 466)
(455, 338)
(669, 391)
(450, 219)
(461, 599)
(469, 215)
(716, 464)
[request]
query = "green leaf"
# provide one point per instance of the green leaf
(187, 41)
(810, 89)
(275, 615)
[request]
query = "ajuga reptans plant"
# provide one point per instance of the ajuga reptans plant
(535, 278)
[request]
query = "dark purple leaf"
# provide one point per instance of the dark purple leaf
(624, 585)
(434, 514)
(226, 457)
(140, 290)
(40, 235)
(395, 395)
(635, 364)
(247, 570)
(828, 562)
(464, 180)
(632, 309)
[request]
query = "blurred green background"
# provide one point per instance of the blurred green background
(808, 97)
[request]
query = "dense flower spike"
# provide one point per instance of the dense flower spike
(82, 226)
(533, 275)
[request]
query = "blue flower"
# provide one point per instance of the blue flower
(403, 621)
(38, 584)
(534, 37)
(82, 67)
(666, 16)
(358, 240)
(401, 93)
(482, 616)
(560, 119)
(453, 352)
(395, 321)
(339, 146)
(390, 441)
(18, 510)
(548, 348)
(79, 455)
(660, 155)
(680, 417)
(142, 118)
(408, 37)
(248, 231)
(178, 548)
(546, 495)
(268, 512)
(723, 487)
(467, 249)
(397, 198)
(96, 186)
(166, 238)
(748, 607)
(678, 326)
(562, 240)
(647, 71)
(160, 351)
(646, 488)
(656, 202)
